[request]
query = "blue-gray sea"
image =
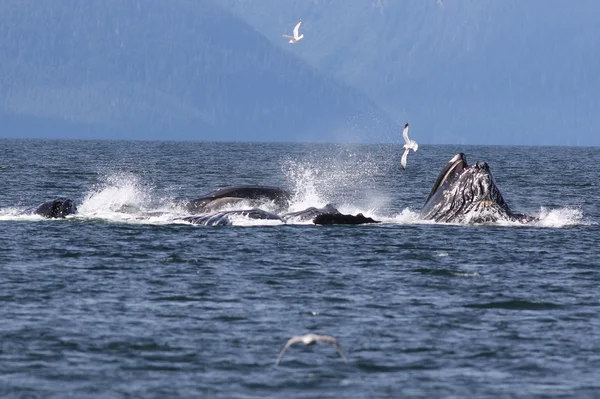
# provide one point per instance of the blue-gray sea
(123, 300)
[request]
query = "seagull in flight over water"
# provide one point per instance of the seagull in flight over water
(310, 339)
(295, 38)
(410, 145)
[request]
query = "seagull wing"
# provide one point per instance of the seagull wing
(339, 350)
(288, 36)
(296, 28)
(403, 160)
(405, 134)
(331, 340)
(290, 342)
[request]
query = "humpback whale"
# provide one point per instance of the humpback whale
(467, 194)
(248, 194)
(340, 218)
(326, 215)
(223, 218)
(57, 209)
(310, 214)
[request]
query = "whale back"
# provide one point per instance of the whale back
(309, 214)
(57, 209)
(235, 194)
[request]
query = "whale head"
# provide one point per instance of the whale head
(58, 208)
(467, 194)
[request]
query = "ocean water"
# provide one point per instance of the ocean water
(123, 300)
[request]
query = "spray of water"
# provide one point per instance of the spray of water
(123, 197)
(561, 217)
(17, 213)
(334, 180)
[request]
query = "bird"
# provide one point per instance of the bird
(295, 38)
(410, 145)
(310, 339)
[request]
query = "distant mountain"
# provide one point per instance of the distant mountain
(154, 69)
(468, 71)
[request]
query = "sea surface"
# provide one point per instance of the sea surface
(124, 300)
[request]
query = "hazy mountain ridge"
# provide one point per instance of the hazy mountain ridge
(161, 70)
(473, 71)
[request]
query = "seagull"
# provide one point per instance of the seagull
(410, 145)
(310, 339)
(295, 38)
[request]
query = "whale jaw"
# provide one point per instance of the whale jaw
(467, 194)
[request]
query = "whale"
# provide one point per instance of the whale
(56, 209)
(340, 218)
(309, 214)
(249, 195)
(322, 216)
(468, 194)
(224, 218)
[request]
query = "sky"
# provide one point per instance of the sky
(460, 71)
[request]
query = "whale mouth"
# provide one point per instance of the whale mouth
(452, 169)
(464, 193)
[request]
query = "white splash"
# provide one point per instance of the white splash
(121, 194)
(18, 213)
(407, 216)
(305, 180)
(124, 198)
(241, 220)
(560, 217)
(324, 181)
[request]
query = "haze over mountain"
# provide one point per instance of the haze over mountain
(461, 71)
(157, 69)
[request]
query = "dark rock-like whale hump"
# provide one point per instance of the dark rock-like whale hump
(58, 208)
(340, 218)
(326, 215)
(252, 194)
(467, 194)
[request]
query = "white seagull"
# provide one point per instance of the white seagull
(410, 145)
(295, 38)
(310, 339)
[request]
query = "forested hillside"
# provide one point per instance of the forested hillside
(156, 69)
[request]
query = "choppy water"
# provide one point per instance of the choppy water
(121, 301)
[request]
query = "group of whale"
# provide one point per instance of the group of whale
(461, 194)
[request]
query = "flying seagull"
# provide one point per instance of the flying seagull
(410, 145)
(310, 339)
(295, 38)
